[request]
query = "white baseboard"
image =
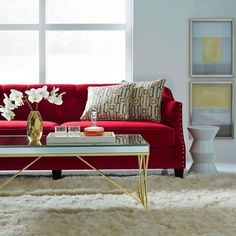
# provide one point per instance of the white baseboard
(114, 172)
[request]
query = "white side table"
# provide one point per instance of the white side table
(202, 149)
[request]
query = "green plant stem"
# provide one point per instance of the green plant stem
(31, 108)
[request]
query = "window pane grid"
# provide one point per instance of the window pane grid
(19, 11)
(85, 27)
(19, 56)
(85, 11)
(85, 56)
(112, 65)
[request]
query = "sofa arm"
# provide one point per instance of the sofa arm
(171, 115)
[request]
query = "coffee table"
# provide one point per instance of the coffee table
(124, 145)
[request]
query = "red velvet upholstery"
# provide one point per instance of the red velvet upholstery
(166, 138)
(156, 134)
(19, 127)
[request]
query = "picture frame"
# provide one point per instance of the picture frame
(212, 48)
(212, 103)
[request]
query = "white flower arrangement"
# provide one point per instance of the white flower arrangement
(17, 98)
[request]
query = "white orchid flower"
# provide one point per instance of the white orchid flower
(17, 97)
(7, 113)
(8, 103)
(55, 98)
(43, 92)
(51, 99)
(33, 95)
(58, 99)
(54, 91)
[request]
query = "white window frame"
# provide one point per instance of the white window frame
(42, 28)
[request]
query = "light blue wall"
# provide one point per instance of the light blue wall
(161, 47)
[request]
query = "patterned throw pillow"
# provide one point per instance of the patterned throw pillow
(110, 102)
(145, 101)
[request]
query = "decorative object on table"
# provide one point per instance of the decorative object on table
(93, 130)
(211, 103)
(202, 149)
(211, 47)
(61, 131)
(73, 130)
(34, 122)
(107, 137)
(34, 127)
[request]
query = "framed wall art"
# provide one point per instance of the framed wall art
(211, 103)
(212, 47)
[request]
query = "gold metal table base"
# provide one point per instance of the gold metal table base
(142, 178)
(14, 176)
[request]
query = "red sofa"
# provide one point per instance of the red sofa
(167, 147)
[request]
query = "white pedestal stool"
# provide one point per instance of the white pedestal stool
(202, 149)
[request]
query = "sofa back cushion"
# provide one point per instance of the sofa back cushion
(73, 101)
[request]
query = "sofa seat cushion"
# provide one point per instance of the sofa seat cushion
(154, 133)
(18, 127)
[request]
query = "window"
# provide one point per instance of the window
(65, 41)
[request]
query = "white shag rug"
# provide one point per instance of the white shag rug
(89, 205)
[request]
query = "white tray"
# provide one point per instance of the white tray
(107, 137)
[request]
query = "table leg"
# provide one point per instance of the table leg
(142, 185)
(140, 188)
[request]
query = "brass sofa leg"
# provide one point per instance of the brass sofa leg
(56, 174)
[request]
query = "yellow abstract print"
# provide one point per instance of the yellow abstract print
(212, 96)
(211, 49)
